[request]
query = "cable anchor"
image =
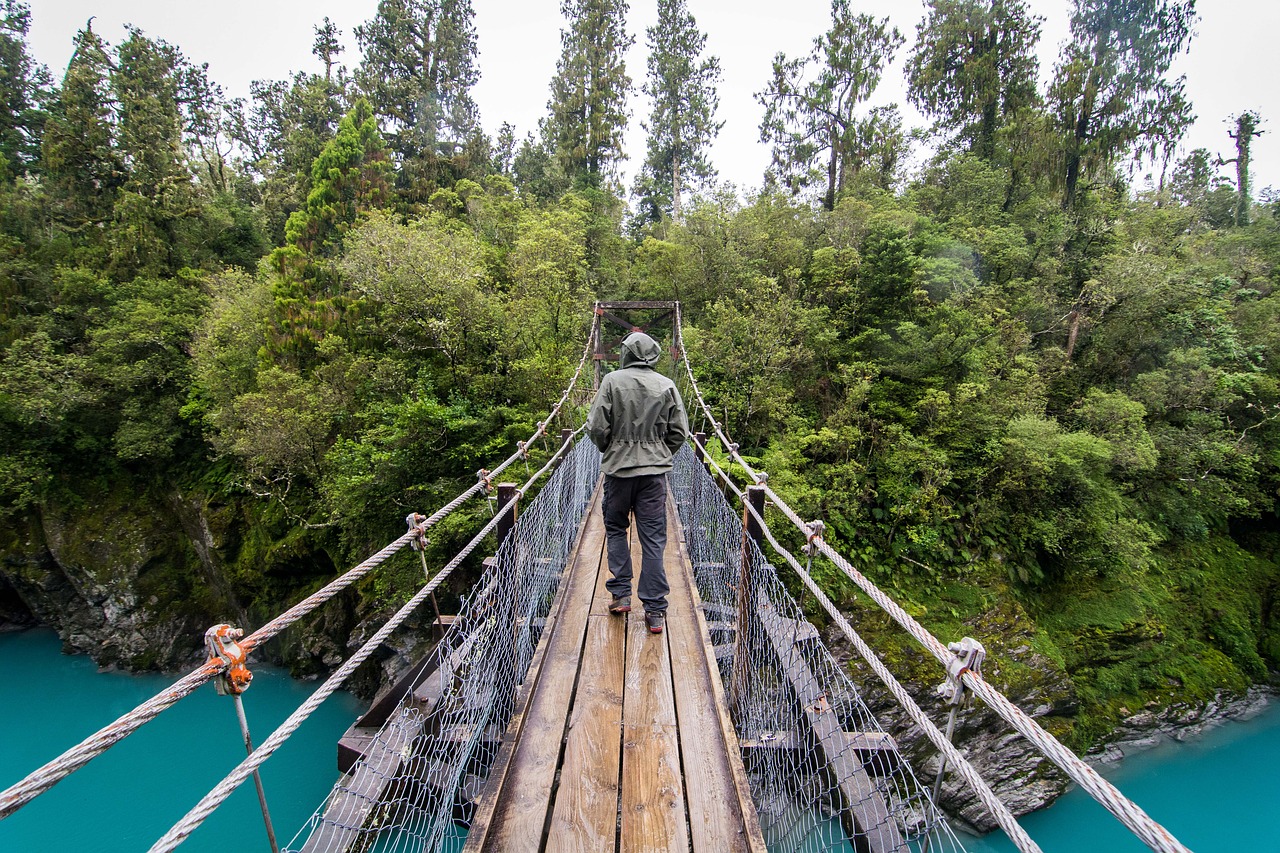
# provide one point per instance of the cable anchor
(969, 655)
(814, 530)
(416, 520)
(220, 641)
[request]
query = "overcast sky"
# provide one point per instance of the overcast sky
(1229, 68)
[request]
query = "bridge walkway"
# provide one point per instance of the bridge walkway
(620, 740)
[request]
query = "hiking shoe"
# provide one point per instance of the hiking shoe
(655, 622)
(620, 604)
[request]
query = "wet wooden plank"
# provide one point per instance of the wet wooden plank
(716, 820)
(514, 805)
(652, 804)
(585, 816)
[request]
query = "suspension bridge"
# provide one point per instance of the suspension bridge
(539, 721)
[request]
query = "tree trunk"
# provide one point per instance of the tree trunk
(829, 201)
(675, 188)
(1073, 333)
(1246, 124)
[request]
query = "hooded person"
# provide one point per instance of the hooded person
(638, 421)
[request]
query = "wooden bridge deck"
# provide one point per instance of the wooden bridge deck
(620, 740)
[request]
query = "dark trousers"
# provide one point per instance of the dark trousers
(646, 496)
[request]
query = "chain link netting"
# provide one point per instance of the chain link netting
(824, 775)
(421, 772)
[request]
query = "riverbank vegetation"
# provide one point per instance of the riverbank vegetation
(1033, 374)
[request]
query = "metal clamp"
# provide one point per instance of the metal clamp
(220, 641)
(969, 655)
(415, 521)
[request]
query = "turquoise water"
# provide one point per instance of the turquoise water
(127, 798)
(1216, 794)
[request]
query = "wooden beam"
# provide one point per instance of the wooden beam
(721, 816)
(873, 828)
(640, 304)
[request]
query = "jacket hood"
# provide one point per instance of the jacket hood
(640, 349)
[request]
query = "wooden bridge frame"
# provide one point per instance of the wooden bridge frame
(621, 741)
(606, 350)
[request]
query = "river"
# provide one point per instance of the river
(127, 798)
(1215, 793)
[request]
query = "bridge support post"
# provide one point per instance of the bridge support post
(751, 532)
(506, 494)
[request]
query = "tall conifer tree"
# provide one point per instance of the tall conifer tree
(1110, 92)
(81, 167)
(812, 117)
(589, 92)
(158, 191)
(24, 89)
(418, 70)
(682, 124)
(973, 65)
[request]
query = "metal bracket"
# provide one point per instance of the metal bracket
(969, 655)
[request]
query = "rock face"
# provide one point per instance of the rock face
(1155, 725)
(133, 580)
(1023, 778)
(120, 582)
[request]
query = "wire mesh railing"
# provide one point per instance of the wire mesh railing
(824, 775)
(422, 770)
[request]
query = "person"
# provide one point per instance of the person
(638, 421)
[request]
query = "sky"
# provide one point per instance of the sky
(1228, 68)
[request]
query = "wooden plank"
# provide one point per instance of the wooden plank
(875, 828)
(716, 822)
(652, 804)
(585, 816)
(877, 751)
(742, 804)
(513, 807)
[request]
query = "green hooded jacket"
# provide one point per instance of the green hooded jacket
(637, 418)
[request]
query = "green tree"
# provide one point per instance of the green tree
(281, 131)
(157, 195)
(350, 175)
(1110, 93)
(682, 124)
(24, 91)
(327, 47)
(78, 156)
(418, 70)
(1246, 129)
(588, 103)
(808, 118)
(973, 65)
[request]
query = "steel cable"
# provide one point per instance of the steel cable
(1129, 813)
(49, 774)
(219, 793)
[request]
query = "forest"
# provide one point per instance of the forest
(1032, 393)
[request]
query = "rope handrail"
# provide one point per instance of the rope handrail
(994, 805)
(46, 776)
(220, 792)
(1134, 818)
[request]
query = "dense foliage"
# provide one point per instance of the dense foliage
(1010, 379)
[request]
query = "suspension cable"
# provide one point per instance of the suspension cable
(220, 792)
(1125, 810)
(48, 775)
(994, 805)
